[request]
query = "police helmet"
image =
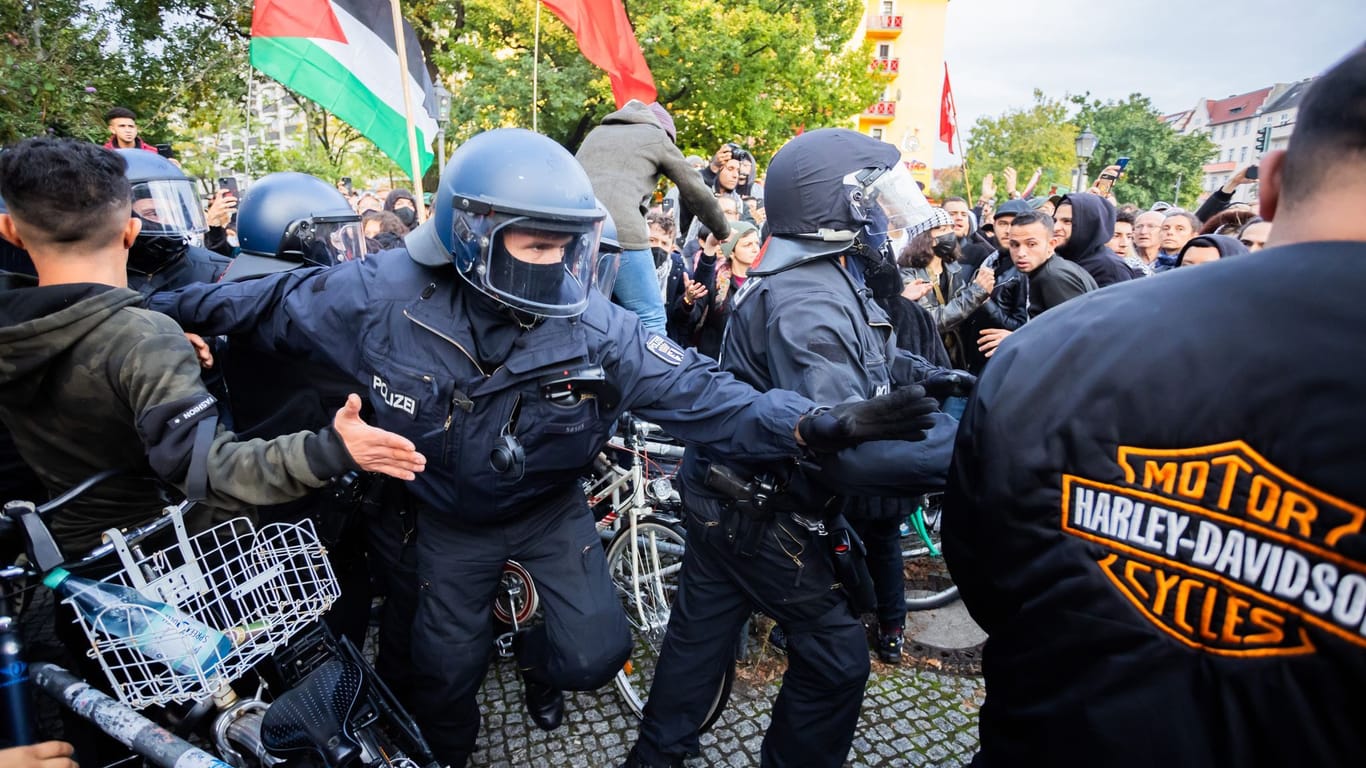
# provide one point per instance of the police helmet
(516, 214)
(829, 187)
(292, 219)
(609, 256)
(167, 204)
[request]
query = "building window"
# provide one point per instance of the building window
(884, 51)
(1247, 126)
(1242, 155)
(888, 7)
(876, 133)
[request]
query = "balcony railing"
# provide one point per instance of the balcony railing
(887, 66)
(884, 25)
(882, 109)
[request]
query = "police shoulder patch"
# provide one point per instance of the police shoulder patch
(664, 349)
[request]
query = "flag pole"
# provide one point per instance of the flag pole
(536, 70)
(401, 45)
(962, 156)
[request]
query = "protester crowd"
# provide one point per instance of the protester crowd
(966, 286)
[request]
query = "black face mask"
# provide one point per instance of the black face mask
(659, 254)
(879, 273)
(155, 249)
(406, 215)
(540, 283)
(944, 246)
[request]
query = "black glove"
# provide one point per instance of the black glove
(902, 415)
(948, 382)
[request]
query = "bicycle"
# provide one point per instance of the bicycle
(928, 584)
(265, 589)
(645, 558)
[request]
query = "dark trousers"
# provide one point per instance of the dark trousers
(882, 540)
(582, 642)
(791, 579)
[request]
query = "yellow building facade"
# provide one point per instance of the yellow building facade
(908, 43)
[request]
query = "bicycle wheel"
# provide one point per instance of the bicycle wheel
(928, 583)
(645, 571)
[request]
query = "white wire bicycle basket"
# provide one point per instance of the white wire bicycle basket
(258, 587)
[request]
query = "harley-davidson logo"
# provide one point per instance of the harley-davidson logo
(1222, 550)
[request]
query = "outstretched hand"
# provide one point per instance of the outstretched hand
(48, 754)
(375, 449)
(905, 414)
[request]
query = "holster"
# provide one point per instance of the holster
(745, 514)
(849, 556)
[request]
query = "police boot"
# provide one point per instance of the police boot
(889, 642)
(544, 704)
(634, 760)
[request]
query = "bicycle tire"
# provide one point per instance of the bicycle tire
(661, 541)
(928, 583)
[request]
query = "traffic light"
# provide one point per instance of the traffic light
(1263, 139)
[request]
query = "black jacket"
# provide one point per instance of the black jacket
(1093, 224)
(812, 329)
(1110, 523)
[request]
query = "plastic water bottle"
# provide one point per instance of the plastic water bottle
(158, 631)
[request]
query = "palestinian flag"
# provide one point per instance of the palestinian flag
(341, 54)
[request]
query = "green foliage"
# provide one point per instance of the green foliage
(69, 61)
(1158, 154)
(750, 71)
(1039, 136)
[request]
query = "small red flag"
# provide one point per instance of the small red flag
(606, 39)
(948, 114)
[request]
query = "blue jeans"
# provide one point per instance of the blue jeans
(637, 289)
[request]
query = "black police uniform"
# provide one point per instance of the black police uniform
(812, 329)
(405, 333)
(1162, 532)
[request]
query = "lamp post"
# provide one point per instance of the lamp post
(1086, 147)
(443, 118)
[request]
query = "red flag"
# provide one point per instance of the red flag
(606, 39)
(948, 114)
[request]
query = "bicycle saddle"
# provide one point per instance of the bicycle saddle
(313, 715)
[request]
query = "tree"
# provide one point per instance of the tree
(69, 61)
(1158, 154)
(751, 71)
(1039, 136)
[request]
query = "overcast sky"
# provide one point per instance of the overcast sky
(1173, 51)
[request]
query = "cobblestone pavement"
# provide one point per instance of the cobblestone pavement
(911, 717)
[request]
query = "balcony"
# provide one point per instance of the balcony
(886, 66)
(881, 112)
(883, 26)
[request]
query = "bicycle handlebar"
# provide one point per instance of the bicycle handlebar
(9, 523)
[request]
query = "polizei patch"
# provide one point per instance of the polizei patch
(664, 349)
(394, 399)
(1224, 551)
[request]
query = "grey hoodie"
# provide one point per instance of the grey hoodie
(624, 157)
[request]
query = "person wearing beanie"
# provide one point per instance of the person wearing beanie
(624, 157)
(738, 253)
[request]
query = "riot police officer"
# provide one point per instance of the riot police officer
(804, 320)
(485, 343)
(287, 220)
(164, 255)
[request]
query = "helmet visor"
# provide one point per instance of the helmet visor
(168, 207)
(542, 266)
(605, 273)
(893, 201)
(335, 241)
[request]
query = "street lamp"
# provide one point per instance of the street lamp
(443, 118)
(1086, 147)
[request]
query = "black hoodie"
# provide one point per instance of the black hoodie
(1093, 224)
